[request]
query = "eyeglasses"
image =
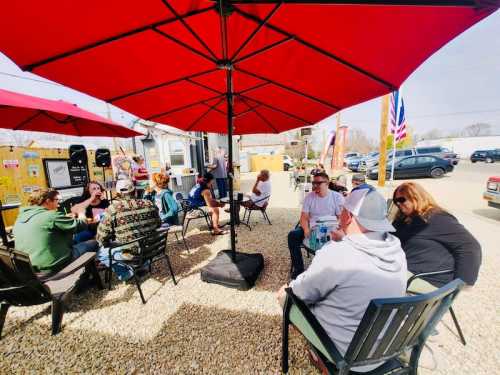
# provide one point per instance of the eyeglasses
(399, 200)
(317, 183)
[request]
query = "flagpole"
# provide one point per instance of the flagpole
(394, 134)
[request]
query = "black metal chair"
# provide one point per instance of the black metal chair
(193, 213)
(151, 249)
(20, 286)
(255, 207)
(452, 312)
(389, 328)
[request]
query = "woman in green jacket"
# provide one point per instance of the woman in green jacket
(164, 199)
(46, 234)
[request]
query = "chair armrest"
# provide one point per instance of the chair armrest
(423, 274)
(115, 244)
(319, 331)
(80, 262)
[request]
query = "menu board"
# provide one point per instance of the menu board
(62, 174)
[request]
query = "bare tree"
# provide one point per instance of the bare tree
(358, 141)
(431, 134)
(476, 130)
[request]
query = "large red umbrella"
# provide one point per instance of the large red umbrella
(26, 112)
(232, 66)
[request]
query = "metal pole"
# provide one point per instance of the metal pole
(229, 98)
(395, 133)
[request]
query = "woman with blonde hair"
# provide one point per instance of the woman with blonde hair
(163, 197)
(432, 238)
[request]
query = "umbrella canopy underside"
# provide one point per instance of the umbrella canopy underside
(30, 113)
(292, 64)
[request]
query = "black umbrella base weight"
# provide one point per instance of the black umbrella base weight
(239, 274)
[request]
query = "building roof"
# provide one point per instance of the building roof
(263, 140)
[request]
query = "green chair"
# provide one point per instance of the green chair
(389, 328)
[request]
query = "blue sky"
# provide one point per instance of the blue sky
(457, 86)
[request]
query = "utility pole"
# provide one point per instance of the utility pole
(335, 154)
(384, 118)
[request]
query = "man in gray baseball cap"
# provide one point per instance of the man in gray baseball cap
(344, 276)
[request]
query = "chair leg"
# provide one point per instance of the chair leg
(264, 213)
(170, 269)
(248, 219)
(95, 275)
(284, 346)
(184, 230)
(107, 276)
(138, 284)
(185, 244)
(459, 329)
(57, 315)
(4, 307)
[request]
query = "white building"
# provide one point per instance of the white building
(464, 146)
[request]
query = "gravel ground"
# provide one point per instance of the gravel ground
(209, 329)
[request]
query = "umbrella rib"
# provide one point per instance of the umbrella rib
(24, 122)
(215, 109)
(254, 87)
(265, 49)
(223, 29)
(320, 50)
(186, 25)
(183, 107)
(31, 67)
(204, 86)
(163, 84)
(321, 101)
(257, 29)
(268, 123)
(187, 46)
(276, 109)
(203, 115)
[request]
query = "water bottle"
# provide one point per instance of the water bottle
(312, 240)
(323, 230)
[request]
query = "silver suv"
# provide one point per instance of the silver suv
(439, 151)
(372, 162)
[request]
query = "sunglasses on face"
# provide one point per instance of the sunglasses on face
(317, 183)
(399, 200)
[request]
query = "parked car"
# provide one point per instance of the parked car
(287, 162)
(488, 156)
(439, 151)
(492, 193)
(354, 163)
(373, 162)
(415, 166)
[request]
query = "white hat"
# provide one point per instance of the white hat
(369, 208)
(124, 186)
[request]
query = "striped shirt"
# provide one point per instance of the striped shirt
(128, 219)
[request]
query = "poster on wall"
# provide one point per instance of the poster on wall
(33, 170)
(61, 174)
(11, 163)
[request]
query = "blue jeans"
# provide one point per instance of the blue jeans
(295, 238)
(84, 247)
(221, 187)
(122, 271)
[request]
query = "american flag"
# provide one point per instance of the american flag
(398, 128)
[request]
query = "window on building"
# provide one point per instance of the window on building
(176, 151)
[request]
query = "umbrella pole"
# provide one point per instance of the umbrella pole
(229, 98)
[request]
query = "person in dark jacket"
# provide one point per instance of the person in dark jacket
(164, 199)
(433, 239)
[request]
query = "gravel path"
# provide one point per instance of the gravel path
(196, 327)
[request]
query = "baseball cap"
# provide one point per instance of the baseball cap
(370, 210)
(124, 186)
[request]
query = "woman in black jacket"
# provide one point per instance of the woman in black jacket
(433, 239)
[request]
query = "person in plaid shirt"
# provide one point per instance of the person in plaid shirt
(124, 220)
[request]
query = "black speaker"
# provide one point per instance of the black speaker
(103, 158)
(78, 154)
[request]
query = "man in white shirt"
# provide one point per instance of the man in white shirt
(320, 202)
(261, 191)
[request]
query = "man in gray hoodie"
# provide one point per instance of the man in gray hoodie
(345, 276)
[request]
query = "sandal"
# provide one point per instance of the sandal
(219, 233)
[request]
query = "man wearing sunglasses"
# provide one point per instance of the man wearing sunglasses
(320, 202)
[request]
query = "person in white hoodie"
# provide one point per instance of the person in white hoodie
(344, 276)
